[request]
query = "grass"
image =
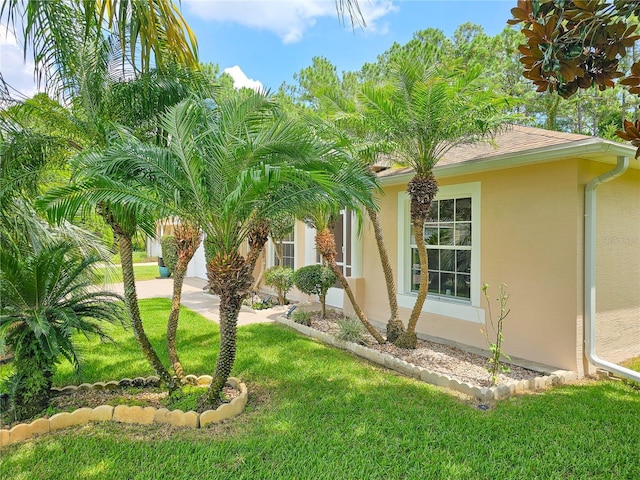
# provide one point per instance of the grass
(114, 274)
(138, 257)
(320, 413)
(633, 364)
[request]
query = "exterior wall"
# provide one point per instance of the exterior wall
(617, 265)
(529, 232)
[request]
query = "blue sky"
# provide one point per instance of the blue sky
(270, 40)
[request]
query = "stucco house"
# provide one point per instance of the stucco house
(511, 211)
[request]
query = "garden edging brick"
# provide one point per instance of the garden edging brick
(483, 394)
(128, 414)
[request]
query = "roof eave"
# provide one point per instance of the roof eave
(578, 149)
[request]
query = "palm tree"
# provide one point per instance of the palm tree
(232, 164)
(367, 146)
(46, 295)
(423, 113)
(321, 217)
(97, 188)
(187, 237)
(56, 31)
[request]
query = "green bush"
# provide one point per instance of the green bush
(302, 317)
(169, 252)
(280, 278)
(315, 280)
(351, 330)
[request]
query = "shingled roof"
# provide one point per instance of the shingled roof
(511, 141)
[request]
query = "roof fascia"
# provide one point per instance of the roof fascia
(581, 148)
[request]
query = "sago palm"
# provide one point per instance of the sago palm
(424, 112)
(46, 295)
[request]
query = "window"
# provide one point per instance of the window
(452, 236)
(447, 233)
(342, 233)
(286, 249)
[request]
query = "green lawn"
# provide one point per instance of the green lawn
(113, 274)
(138, 257)
(320, 413)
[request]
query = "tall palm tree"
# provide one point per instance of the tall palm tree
(230, 165)
(46, 295)
(321, 216)
(187, 237)
(424, 112)
(367, 146)
(148, 32)
(97, 188)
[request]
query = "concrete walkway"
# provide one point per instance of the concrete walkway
(195, 298)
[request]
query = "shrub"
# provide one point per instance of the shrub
(302, 317)
(169, 252)
(280, 278)
(315, 280)
(351, 330)
(495, 364)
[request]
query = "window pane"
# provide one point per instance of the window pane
(447, 284)
(463, 210)
(433, 256)
(432, 216)
(431, 235)
(446, 210)
(463, 234)
(446, 234)
(463, 261)
(415, 270)
(463, 286)
(447, 262)
(434, 282)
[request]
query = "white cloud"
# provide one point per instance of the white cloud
(289, 19)
(240, 80)
(15, 71)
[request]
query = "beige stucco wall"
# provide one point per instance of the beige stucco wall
(532, 237)
(617, 265)
(529, 224)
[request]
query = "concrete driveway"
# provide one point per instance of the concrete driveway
(195, 298)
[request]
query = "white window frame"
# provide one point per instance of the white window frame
(468, 310)
(271, 250)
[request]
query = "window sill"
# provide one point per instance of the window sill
(446, 308)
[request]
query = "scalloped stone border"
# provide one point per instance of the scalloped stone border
(129, 414)
(483, 394)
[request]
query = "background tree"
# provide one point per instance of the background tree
(572, 46)
(148, 33)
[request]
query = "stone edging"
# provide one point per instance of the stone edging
(127, 414)
(483, 394)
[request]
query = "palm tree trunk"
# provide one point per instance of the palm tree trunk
(131, 300)
(422, 190)
(394, 324)
(174, 316)
(230, 279)
(326, 244)
(188, 239)
(263, 266)
(408, 339)
(33, 380)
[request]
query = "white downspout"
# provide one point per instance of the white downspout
(590, 272)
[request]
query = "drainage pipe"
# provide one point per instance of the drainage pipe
(590, 272)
